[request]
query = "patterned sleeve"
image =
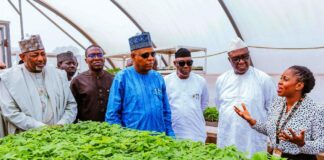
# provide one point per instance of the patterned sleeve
(262, 127)
(317, 145)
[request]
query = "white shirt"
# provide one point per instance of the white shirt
(256, 90)
(188, 99)
(39, 81)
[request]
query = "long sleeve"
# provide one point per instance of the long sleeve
(317, 145)
(204, 97)
(70, 110)
(217, 94)
(75, 92)
(269, 91)
(12, 112)
(167, 112)
(74, 89)
(261, 127)
(113, 113)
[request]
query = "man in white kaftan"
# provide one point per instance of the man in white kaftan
(2, 66)
(2, 122)
(188, 98)
(243, 84)
(35, 95)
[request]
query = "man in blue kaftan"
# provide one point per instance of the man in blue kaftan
(138, 98)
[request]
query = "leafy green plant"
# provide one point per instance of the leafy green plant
(113, 71)
(263, 156)
(97, 141)
(211, 114)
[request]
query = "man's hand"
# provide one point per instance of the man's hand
(2, 65)
(245, 114)
(296, 139)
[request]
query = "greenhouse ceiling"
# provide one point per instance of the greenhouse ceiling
(279, 33)
(283, 28)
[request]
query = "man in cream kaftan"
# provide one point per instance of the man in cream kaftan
(243, 84)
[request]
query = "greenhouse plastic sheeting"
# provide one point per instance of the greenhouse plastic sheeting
(203, 23)
(101, 20)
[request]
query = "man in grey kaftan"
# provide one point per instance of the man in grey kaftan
(33, 94)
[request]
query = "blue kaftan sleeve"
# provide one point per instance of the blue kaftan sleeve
(166, 111)
(113, 113)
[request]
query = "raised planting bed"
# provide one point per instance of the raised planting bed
(96, 141)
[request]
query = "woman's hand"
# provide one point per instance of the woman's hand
(296, 139)
(245, 114)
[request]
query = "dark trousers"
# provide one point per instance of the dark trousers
(299, 156)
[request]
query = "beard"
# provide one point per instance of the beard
(39, 69)
(71, 74)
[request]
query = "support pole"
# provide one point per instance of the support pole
(231, 19)
(8, 47)
(58, 26)
(21, 21)
(87, 36)
(139, 27)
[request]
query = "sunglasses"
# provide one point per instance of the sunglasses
(94, 55)
(183, 63)
(237, 59)
(147, 54)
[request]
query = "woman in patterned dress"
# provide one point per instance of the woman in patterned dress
(295, 122)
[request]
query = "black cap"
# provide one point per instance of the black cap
(182, 52)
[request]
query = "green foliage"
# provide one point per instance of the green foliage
(113, 71)
(96, 141)
(211, 114)
(263, 156)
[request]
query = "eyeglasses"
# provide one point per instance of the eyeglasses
(237, 59)
(94, 55)
(183, 63)
(147, 54)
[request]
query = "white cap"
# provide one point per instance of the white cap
(236, 44)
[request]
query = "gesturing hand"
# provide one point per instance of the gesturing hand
(296, 139)
(245, 114)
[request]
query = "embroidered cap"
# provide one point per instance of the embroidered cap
(140, 41)
(32, 44)
(236, 44)
(64, 56)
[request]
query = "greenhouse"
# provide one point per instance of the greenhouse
(204, 94)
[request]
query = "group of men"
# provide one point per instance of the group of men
(138, 97)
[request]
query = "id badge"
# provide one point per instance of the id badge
(277, 152)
